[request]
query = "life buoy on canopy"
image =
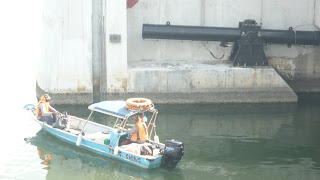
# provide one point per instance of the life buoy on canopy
(138, 103)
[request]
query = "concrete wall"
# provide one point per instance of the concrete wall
(317, 13)
(192, 77)
(184, 12)
(128, 64)
(302, 73)
(278, 15)
(206, 82)
(66, 64)
(272, 14)
(116, 52)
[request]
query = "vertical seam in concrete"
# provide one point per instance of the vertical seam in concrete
(82, 32)
(203, 12)
(103, 69)
(261, 11)
(314, 13)
(97, 48)
(159, 8)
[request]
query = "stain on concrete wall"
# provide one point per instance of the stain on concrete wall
(187, 77)
(305, 66)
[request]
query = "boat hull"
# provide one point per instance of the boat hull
(104, 150)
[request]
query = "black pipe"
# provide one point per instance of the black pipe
(199, 33)
(291, 37)
(153, 31)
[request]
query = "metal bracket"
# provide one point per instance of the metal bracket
(248, 51)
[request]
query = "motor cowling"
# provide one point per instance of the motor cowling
(173, 153)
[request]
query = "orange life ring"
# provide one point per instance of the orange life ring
(138, 103)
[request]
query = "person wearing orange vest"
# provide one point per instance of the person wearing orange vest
(143, 123)
(138, 132)
(44, 112)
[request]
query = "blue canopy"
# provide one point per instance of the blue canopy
(113, 108)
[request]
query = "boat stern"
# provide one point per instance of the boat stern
(173, 152)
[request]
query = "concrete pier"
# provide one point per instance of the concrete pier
(194, 82)
(93, 51)
(206, 82)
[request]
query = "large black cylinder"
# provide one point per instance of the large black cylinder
(225, 34)
(153, 31)
(291, 37)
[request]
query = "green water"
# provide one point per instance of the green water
(242, 141)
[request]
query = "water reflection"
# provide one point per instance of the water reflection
(241, 141)
(242, 121)
(64, 161)
(235, 121)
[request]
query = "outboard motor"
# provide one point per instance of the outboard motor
(31, 108)
(173, 153)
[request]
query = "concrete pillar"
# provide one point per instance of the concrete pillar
(116, 46)
(97, 47)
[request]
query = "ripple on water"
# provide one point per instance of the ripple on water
(209, 169)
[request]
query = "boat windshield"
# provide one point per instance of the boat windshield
(118, 109)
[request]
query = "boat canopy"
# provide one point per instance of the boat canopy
(113, 108)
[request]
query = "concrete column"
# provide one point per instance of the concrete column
(116, 46)
(97, 47)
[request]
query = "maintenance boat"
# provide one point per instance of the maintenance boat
(106, 141)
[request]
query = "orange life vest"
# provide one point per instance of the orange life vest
(42, 100)
(141, 132)
(145, 128)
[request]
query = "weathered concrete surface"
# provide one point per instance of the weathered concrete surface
(206, 82)
(98, 46)
(272, 14)
(66, 98)
(301, 73)
(116, 52)
(196, 82)
(164, 70)
(66, 54)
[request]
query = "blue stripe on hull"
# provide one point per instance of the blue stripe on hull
(105, 150)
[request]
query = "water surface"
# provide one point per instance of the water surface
(240, 141)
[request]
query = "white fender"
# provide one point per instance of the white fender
(116, 149)
(68, 122)
(79, 139)
(156, 139)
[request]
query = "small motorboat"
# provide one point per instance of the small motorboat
(48, 150)
(106, 141)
